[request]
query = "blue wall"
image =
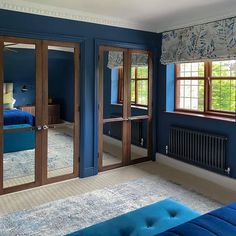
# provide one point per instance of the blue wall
(90, 36)
(61, 82)
(19, 68)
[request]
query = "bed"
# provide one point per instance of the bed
(220, 222)
(18, 132)
(16, 117)
(18, 140)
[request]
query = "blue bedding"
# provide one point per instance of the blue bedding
(14, 117)
(220, 222)
(145, 221)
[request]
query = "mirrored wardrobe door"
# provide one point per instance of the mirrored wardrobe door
(20, 85)
(111, 107)
(61, 104)
(139, 108)
(125, 111)
(138, 104)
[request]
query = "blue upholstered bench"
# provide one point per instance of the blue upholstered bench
(220, 222)
(149, 220)
(20, 140)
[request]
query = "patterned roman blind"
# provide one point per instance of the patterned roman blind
(115, 59)
(214, 41)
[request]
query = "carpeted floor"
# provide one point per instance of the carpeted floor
(77, 212)
(60, 155)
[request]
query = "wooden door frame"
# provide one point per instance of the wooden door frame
(38, 120)
(126, 119)
(1, 113)
(76, 128)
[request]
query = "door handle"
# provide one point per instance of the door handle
(45, 127)
(39, 128)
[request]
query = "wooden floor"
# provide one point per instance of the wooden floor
(40, 195)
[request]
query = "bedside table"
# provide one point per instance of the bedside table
(53, 112)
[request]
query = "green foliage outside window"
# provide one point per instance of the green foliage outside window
(222, 83)
(223, 90)
(139, 85)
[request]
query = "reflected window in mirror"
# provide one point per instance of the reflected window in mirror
(139, 86)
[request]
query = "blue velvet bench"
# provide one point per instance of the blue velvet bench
(149, 220)
(20, 140)
(220, 222)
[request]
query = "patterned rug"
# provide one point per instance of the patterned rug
(73, 213)
(60, 155)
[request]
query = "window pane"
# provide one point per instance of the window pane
(142, 92)
(224, 68)
(133, 72)
(142, 72)
(191, 94)
(195, 69)
(223, 95)
(133, 90)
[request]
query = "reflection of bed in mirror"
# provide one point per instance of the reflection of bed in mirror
(14, 121)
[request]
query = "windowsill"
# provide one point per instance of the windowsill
(132, 106)
(228, 119)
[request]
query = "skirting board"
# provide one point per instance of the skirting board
(221, 180)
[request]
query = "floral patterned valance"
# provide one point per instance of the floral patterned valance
(215, 41)
(115, 59)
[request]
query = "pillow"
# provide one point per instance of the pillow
(9, 106)
(8, 88)
(7, 98)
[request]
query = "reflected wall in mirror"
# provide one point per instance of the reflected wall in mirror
(113, 84)
(112, 143)
(19, 92)
(60, 156)
(139, 139)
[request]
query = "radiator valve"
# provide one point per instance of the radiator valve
(167, 149)
(227, 170)
(142, 142)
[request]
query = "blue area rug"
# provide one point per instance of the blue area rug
(22, 163)
(73, 213)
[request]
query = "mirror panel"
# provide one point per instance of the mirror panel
(139, 139)
(139, 83)
(113, 84)
(112, 143)
(60, 155)
(19, 99)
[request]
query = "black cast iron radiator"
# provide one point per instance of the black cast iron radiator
(198, 148)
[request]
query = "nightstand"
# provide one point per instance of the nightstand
(53, 112)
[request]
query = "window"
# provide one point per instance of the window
(206, 87)
(139, 86)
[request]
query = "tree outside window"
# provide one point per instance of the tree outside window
(206, 87)
(139, 86)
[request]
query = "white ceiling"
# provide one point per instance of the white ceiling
(149, 15)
